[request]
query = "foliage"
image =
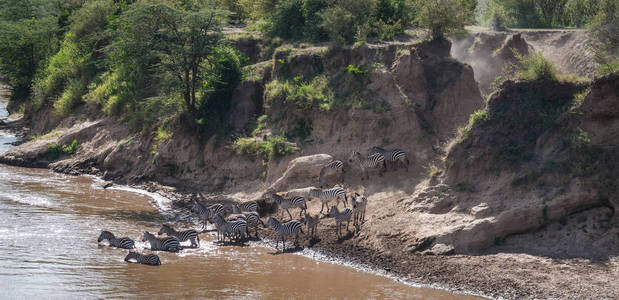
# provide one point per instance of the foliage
(302, 129)
(605, 32)
(443, 16)
(55, 150)
(268, 147)
(545, 13)
(28, 36)
(535, 66)
(305, 95)
(356, 70)
(609, 68)
(477, 118)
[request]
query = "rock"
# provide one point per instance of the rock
(440, 249)
(304, 169)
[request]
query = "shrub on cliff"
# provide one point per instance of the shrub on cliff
(535, 66)
(443, 16)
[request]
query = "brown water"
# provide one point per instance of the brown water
(49, 224)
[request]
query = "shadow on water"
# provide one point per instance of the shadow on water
(296, 248)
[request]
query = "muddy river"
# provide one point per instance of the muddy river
(49, 224)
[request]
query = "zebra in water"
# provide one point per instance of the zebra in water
(149, 259)
(171, 244)
(248, 206)
(182, 236)
(202, 211)
(284, 229)
(124, 242)
(311, 221)
(285, 204)
(233, 228)
(358, 207)
(334, 167)
(207, 212)
(340, 217)
(374, 161)
(395, 157)
(327, 195)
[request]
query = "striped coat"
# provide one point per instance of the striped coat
(328, 195)
(285, 229)
(124, 242)
(340, 217)
(395, 157)
(374, 161)
(334, 167)
(171, 243)
(286, 203)
(149, 259)
(182, 236)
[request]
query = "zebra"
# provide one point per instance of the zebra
(207, 212)
(149, 259)
(358, 207)
(296, 201)
(334, 167)
(340, 217)
(245, 207)
(327, 195)
(124, 242)
(282, 230)
(170, 243)
(202, 211)
(182, 236)
(311, 221)
(395, 156)
(252, 218)
(225, 228)
(374, 161)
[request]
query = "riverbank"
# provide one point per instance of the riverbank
(515, 273)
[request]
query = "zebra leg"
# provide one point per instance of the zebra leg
(288, 214)
(322, 207)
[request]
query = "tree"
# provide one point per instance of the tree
(442, 16)
(182, 40)
(27, 37)
(605, 32)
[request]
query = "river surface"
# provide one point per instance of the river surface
(49, 224)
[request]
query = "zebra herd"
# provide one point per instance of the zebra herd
(234, 222)
(171, 243)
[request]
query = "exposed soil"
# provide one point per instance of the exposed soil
(416, 227)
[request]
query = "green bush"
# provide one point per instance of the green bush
(609, 68)
(535, 66)
(55, 150)
(443, 16)
(267, 148)
(305, 95)
(477, 118)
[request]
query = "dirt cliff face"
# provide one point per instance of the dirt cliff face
(538, 155)
(488, 51)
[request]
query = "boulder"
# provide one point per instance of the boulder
(303, 170)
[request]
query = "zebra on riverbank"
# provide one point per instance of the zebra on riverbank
(328, 195)
(286, 203)
(284, 229)
(124, 242)
(340, 217)
(248, 206)
(171, 244)
(148, 259)
(231, 229)
(358, 207)
(182, 236)
(374, 161)
(252, 219)
(334, 167)
(311, 221)
(395, 157)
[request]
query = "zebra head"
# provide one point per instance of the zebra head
(271, 222)
(313, 193)
(354, 156)
(131, 255)
(333, 211)
(147, 235)
(274, 198)
(376, 149)
(165, 228)
(105, 235)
